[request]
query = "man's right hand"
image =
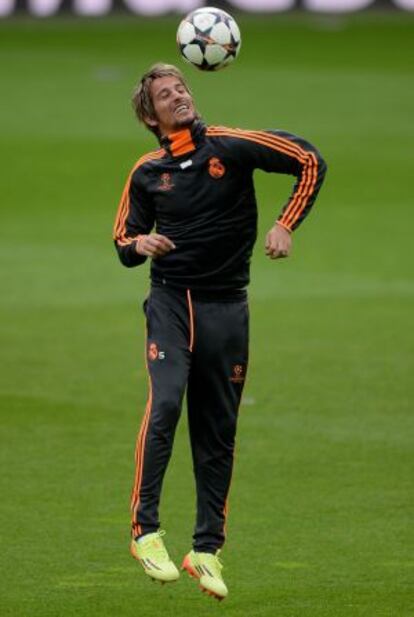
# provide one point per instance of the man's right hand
(153, 245)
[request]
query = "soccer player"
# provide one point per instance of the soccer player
(190, 207)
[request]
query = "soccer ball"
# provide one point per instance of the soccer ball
(209, 38)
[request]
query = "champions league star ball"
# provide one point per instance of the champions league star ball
(209, 38)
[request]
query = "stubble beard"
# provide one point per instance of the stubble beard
(185, 122)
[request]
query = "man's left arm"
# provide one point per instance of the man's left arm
(281, 152)
(307, 164)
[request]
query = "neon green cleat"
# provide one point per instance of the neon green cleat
(153, 556)
(206, 567)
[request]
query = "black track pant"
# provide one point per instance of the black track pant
(200, 347)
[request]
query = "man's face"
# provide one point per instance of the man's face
(173, 105)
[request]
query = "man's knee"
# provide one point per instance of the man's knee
(165, 412)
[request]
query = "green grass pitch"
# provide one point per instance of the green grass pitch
(319, 508)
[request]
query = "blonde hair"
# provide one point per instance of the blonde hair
(141, 97)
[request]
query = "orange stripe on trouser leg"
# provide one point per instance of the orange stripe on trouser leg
(138, 449)
(226, 503)
(140, 467)
(191, 316)
(225, 514)
(139, 452)
(140, 464)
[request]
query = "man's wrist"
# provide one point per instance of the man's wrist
(138, 244)
(283, 226)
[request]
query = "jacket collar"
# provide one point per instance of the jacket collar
(185, 140)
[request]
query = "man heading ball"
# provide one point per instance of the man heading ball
(190, 207)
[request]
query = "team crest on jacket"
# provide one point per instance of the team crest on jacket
(238, 374)
(216, 168)
(166, 183)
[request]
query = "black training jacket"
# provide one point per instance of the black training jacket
(197, 190)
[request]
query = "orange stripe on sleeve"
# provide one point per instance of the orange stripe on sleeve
(119, 231)
(292, 213)
(302, 194)
(261, 137)
(306, 158)
(306, 186)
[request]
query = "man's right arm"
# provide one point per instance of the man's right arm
(134, 221)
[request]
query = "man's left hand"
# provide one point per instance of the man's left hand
(278, 242)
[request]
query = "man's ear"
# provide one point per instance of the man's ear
(151, 122)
